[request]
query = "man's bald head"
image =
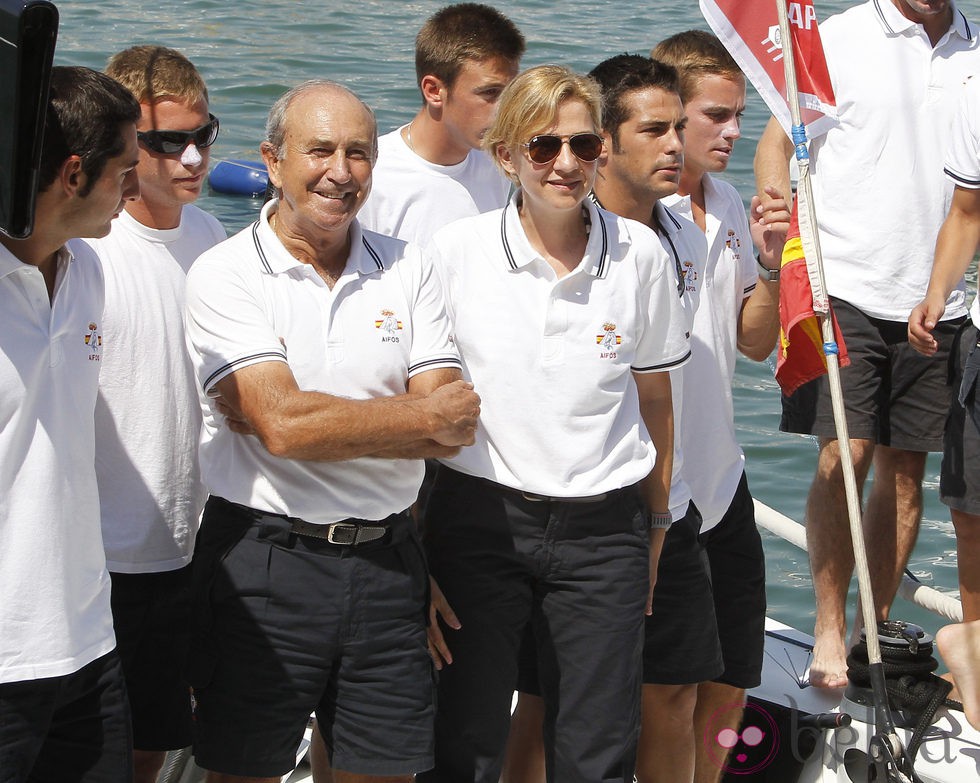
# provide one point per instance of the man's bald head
(321, 91)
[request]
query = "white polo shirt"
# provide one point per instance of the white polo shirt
(963, 158)
(552, 359)
(877, 177)
(148, 419)
(713, 458)
(250, 301)
(412, 199)
(54, 588)
(687, 248)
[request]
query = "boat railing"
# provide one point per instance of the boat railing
(911, 590)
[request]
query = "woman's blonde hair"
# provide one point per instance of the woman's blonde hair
(529, 104)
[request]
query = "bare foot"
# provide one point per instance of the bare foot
(829, 666)
(960, 647)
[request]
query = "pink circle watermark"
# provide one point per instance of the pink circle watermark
(742, 752)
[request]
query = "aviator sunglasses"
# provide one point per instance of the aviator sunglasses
(545, 147)
(170, 142)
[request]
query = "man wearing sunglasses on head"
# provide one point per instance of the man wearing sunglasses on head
(148, 417)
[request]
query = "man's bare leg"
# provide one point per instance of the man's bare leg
(960, 648)
(319, 758)
(828, 539)
(524, 759)
(715, 703)
(147, 765)
(666, 751)
(967, 528)
(891, 520)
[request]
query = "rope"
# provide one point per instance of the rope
(910, 684)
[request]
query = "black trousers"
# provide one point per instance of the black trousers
(577, 574)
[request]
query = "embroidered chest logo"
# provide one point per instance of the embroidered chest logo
(389, 326)
(608, 341)
(734, 244)
(690, 274)
(93, 339)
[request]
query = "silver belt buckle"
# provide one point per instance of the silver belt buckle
(342, 534)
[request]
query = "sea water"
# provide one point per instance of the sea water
(251, 52)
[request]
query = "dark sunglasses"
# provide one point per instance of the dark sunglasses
(170, 142)
(546, 147)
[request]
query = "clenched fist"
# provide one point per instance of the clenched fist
(455, 409)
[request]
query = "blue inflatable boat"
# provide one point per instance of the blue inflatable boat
(239, 177)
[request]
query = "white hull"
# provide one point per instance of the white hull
(949, 754)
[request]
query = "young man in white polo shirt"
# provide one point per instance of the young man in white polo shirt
(148, 419)
(737, 312)
(63, 711)
(432, 171)
(329, 347)
(959, 482)
(897, 68)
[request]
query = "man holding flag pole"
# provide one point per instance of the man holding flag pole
(896, 68)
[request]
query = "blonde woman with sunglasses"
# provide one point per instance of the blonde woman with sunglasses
(567, 318)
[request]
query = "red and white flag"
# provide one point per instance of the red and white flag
(749, 29)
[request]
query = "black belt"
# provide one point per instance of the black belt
(340, 533)
(349, 532)
(536, 498)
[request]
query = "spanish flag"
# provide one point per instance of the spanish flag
(749, 29)
(801, 349)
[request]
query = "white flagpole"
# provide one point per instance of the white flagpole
(807, 220)
(808, 223)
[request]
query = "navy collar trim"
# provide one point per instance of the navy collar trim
(599, 269)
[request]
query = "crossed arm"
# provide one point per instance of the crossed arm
(436, 416)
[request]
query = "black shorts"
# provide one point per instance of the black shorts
(893, 395)
(151, 617)
(286, 625)
(70, 729)
(682, 645)
(959, 479)
(738, 583)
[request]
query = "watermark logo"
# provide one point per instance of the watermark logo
(742, 752)
(747, 745)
